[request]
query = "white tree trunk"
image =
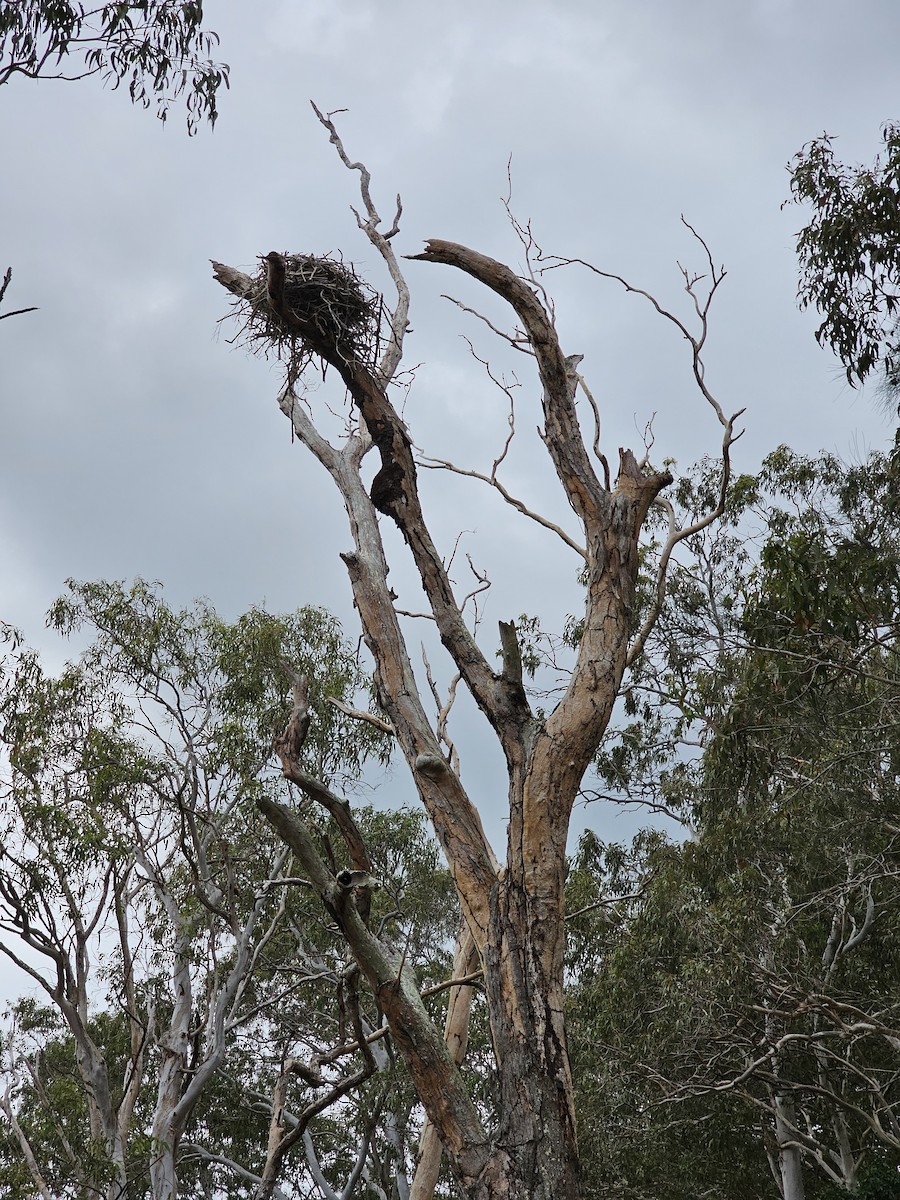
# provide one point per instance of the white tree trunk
(790, 1161)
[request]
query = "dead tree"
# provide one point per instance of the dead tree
(314, 310)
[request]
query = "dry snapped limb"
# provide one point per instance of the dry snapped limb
(361, 715)
(455, 819)
(473, 979)
(701, 304)
(443, 715)
(518, 340)
(482, 584)
(598, 425)
(435, 1074)
(612, 522)
(394, 492)
(534, 254)
(441, 464)
(289, 747)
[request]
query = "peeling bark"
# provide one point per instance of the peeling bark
(515, 914)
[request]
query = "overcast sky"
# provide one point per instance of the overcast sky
(136, 441)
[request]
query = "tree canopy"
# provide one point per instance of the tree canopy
(186, 991)
(158, 48)
(849, 254)
(744, 987)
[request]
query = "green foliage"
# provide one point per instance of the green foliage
(823, 583)
(131, 847)
(766, 718)
(653, 978)
(157, 47)
(850, 251)
(51, 1106)
(236, 670)
(879, 1180)
(287, 1012)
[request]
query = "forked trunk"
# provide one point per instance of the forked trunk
(528, 1147)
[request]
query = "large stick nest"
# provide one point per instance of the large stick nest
(324, 293)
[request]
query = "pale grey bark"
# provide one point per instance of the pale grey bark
(64, 932)
(62, 940)
(34, 1170)
(790, 1162)
(325, 1189)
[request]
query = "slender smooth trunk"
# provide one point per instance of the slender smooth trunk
(790, 1161)
(174, 1047)
(456, 1035)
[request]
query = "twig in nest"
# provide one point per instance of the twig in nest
(320, 293)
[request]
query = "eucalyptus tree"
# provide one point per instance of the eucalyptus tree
(761, 957)
(316, 314)
(283, 1049)
(849, 254)
(198, 1016)
(158, 48)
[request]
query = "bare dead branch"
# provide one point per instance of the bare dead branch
(517, 340)
(289, 746)
(562, 434)
(483, 585)
(439, 464)
(361, 715)
(677, 535)
(399, 320)
(515, 916)
(533, 251)
(435, 1075)
(418, 616)
(394, 491)
(701, 307)
(598, 454)
(443, 715)
(4, 285)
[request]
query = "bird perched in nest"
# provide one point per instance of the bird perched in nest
(275, 278)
